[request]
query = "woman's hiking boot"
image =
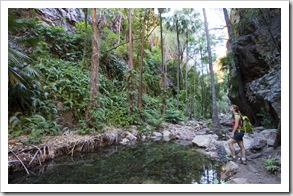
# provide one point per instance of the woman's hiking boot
(231, 158)
(244, 162)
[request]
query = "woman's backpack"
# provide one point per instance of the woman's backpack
(246, 126)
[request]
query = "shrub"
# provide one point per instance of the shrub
(272, 164)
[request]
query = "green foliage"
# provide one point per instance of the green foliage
(266, 120)
(33, 140)
(83, 128)
(272, 164)
(209, 124)
(247, 15)
(234, 84)
(227, 61)
(174, 116)
(68, 83)
(23, 78)
(216, 181)
(152, 117)
(113, 67)
(229, 154)
(151, 76)
(53, 40)
(35, 125)
(80, 28)
(109, 39)
(58, 56)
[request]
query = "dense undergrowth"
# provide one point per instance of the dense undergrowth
(49, 77)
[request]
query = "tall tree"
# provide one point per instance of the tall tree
(86, 35)
(202, 80)
(183, 23)
(179, 61)
(215, 118)
(95, 63)
(141, 62)
(189, 23)
(186, 75)
(163, 110)
(130, 64)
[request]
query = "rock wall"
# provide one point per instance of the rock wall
(68, 17)
(257, 53)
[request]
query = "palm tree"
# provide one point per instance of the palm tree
(189, 23)
(21, 74)
(183, 23)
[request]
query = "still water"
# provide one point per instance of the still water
(150, 162)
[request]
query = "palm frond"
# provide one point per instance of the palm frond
(13, 76)
(31, 72)
(16, 57)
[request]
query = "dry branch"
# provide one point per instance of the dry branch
(20, 162)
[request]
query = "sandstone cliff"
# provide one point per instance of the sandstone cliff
(257, 54)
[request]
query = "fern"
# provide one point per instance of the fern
(272, 164)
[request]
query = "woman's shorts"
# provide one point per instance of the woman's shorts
(238, 135)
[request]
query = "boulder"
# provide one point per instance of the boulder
(258, 143)
(238, 181)
(231, 169)
(205, 140)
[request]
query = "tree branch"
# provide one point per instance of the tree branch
(133, 40)
(20, 162)
(219, 28)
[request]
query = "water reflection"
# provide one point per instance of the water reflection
(159, 162)
(209, 176)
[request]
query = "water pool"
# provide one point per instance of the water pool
(150, 162)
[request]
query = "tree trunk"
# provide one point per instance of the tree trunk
(203, 97)
(130, 64)
(95, 64)
(194, 92)
(179, 62)
(119, 27)
(141, 62)
(215, 118)
(163, 110)
(186, 77)
(86, 35)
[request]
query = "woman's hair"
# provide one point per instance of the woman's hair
(235, 107)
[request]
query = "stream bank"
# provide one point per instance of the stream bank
(212, 143)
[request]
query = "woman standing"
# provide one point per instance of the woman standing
(237, 134)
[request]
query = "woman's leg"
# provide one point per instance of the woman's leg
(242, 148)
(231, 147)
(241, 145)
